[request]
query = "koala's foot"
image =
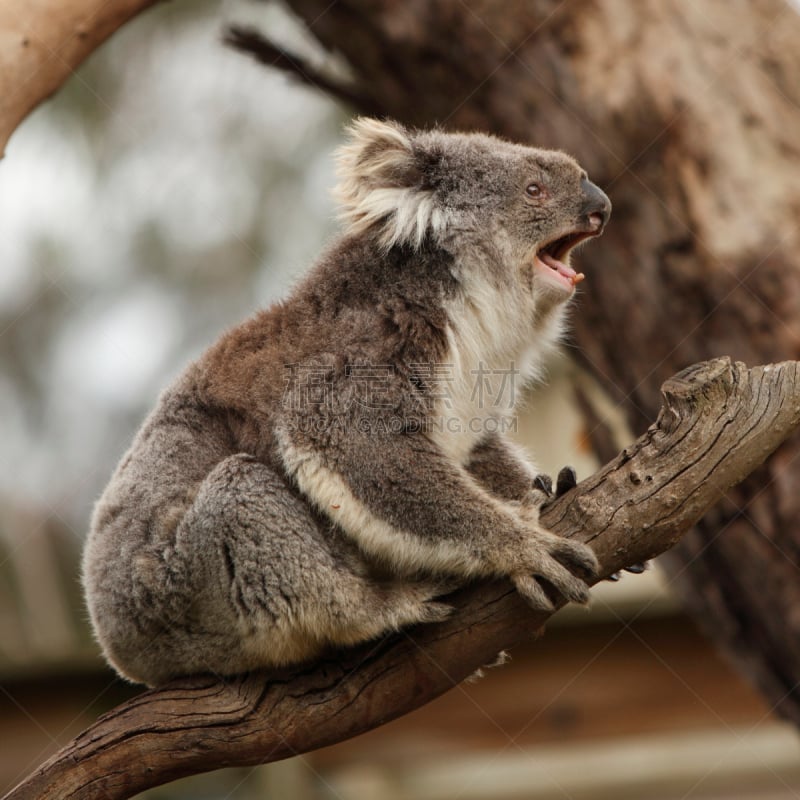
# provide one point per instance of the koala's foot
(563, 564)
(543, 484)
(384, 608)
(412, 603)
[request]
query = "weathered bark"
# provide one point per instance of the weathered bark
(718, 422)
(688, 114)
(41, 44)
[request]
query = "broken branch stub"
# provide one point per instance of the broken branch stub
(718, 421)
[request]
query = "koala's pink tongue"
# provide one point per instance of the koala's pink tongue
(569, 273)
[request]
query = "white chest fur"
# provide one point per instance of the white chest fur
(495, 347)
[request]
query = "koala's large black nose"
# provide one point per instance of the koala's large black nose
(596, 207)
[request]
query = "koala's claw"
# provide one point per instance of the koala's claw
(533, 593)
(634, 569)
(567, 479)
(544, 484)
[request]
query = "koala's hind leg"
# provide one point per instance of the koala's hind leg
(266, 567)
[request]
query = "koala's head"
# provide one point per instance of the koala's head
(525, 206)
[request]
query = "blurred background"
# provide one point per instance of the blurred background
(169, 190)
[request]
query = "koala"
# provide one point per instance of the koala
(327, 471)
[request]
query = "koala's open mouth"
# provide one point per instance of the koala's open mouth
(554, 255)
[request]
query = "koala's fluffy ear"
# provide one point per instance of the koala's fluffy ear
(381, 184)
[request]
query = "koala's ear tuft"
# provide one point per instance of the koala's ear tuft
(379, 153)
(381, 184)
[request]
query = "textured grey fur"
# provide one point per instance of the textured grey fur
(296, 488)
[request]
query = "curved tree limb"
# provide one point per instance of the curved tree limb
(718, 422)
(43, 42)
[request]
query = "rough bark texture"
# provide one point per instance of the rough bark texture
(717, 423)
(688, 114)
(41, 44)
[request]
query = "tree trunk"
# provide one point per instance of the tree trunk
(688, 115)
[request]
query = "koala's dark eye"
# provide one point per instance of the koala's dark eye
(534, 190)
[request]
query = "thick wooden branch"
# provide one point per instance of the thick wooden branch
(718, 422)
(43, 42)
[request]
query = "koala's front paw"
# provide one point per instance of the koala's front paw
(562, 563)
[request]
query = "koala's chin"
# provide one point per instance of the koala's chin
(331, 467)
